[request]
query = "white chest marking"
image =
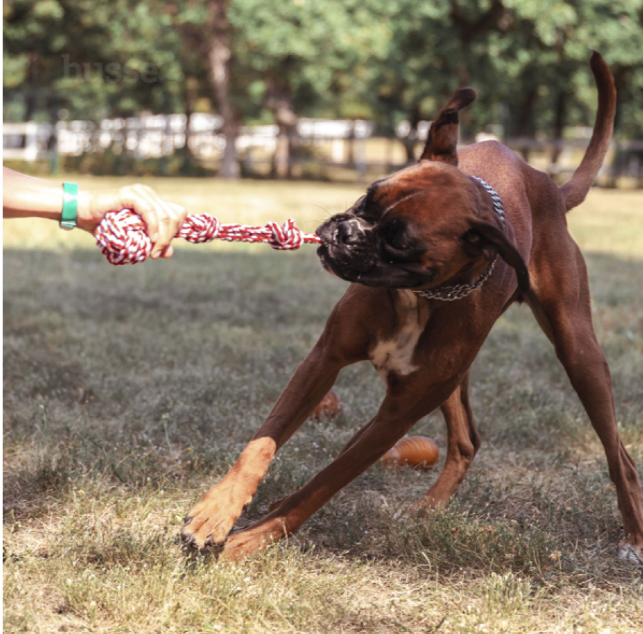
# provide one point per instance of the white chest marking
(396, 354)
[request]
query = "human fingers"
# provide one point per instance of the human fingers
(182, 214)
(168, 252)
(163, 219)
(136, 198)
(170, 222)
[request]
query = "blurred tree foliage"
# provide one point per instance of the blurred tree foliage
(97, 60)
(255, 61)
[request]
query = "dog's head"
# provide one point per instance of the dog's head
(423, 225)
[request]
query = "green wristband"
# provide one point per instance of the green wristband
(70, 206)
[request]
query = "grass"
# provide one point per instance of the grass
(129, 391)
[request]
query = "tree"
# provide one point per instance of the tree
(99, 58)
(298, 58)
(260, 61)
(220, 58)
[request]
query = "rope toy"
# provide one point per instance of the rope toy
(122, 237)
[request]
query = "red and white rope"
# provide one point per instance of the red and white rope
(122, 237)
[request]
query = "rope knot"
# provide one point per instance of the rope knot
(122, 239)
(285, 237)
(200, 229)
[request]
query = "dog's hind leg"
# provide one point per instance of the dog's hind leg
(560, 301)
(463, 444)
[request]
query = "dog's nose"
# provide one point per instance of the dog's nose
(346, 233)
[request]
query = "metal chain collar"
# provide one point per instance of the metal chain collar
(458, 291)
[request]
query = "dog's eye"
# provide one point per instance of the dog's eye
(394, 235)
(397, 243)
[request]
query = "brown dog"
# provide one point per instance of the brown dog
(435, 227)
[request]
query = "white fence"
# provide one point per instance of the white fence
(161, 135)
(337, 142)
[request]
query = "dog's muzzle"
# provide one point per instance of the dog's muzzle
(347, 247)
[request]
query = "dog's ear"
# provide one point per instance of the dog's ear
(483, 238)
(443, 133)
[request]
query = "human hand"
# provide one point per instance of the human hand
(163, 219)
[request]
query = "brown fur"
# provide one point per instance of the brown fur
(422, 227)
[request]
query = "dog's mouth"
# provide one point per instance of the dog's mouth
(369, 270)
(335, 262)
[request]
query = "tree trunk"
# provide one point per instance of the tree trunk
(189, 97)
(279, 101)
(219, 58)
(30, 93)
(350, 146)
(185, 154)
(53, 106)
(524, 126)
(620, 83)
(410, 140)
(31, 101)
(559, 124)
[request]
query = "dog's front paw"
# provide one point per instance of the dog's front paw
(254, 539)
(210, 521)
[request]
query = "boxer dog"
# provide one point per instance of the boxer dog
(436, 253)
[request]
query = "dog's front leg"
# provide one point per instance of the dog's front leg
(398, 413)
(213, 517)
(345, 340)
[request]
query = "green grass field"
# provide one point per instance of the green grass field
(129, 391)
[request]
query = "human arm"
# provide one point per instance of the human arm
(28, 197)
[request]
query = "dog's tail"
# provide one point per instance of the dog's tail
(575, 190)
